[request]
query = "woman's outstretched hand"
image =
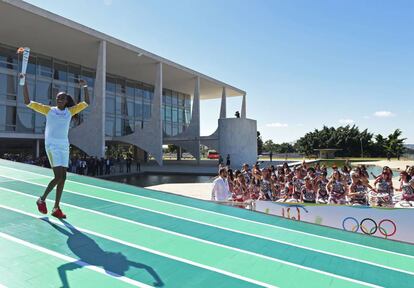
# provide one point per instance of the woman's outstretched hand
(83, 84)
(25, 89)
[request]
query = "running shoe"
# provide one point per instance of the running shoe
(41, 206)
(58, 213)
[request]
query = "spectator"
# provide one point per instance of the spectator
(121, 164)
(101, 166)
(107, 166)
(220, 190)
(246, 173)
(128, 164)
(337, 188)
(230, 177)
(138, 166)
(220, 160)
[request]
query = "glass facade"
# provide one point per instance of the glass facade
(46, 77)
(176, 112)
(128, 103)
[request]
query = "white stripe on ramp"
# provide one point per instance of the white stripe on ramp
(71, 260)
(233, 275)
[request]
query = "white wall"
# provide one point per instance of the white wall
(238, 137)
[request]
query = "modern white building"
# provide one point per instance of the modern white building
(138, 97)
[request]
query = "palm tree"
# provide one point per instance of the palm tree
(394, 144)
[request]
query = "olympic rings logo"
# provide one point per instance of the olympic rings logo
(369, 227)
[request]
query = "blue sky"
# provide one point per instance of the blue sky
(304, 64)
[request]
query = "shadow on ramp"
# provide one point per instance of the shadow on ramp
(90, 254)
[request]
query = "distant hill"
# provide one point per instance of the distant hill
(410, 148)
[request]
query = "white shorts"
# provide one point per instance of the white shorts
(58, 154)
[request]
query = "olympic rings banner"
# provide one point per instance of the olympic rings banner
(394, 224)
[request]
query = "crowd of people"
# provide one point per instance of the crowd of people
(27, 159)
(305, 184)
(83, 165)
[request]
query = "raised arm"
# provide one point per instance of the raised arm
(317, 188)
(25, 91)
(346, 187)
(352, 191)
(329, 186)
(377, 179)
(370, 187)
(38, 107)
(84, 104)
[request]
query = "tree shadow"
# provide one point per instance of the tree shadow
(90, 254)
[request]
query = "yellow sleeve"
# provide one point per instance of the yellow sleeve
(78, 108)
(38, 107)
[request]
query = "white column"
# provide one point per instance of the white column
(90, 134)
(196, 117)
(223, 109)
(157, 109)
(243, 108)
(100, 92)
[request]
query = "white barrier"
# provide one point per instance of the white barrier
(394, 224)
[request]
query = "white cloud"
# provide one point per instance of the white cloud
(346, 121)
(367, 117)
(277, 125)
(107, 2)
(384, 114)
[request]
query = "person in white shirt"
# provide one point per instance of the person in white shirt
(221, 190)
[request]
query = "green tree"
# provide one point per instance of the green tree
(259, 143)
(394, 144)
(268, 146)
(379, 147)
(349, 139)
(286, 148)
(351, 142)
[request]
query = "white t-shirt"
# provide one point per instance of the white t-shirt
(57, 121)
(221, 190)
